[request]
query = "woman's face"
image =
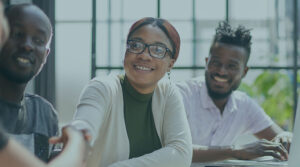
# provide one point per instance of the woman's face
(142, 70)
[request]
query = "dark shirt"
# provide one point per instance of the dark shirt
(140, 125)
(31, 123)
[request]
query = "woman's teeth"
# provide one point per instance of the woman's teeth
(143, 68)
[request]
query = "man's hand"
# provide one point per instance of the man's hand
(75, 149)
(261, 148)
(285, 138)
(67, 133)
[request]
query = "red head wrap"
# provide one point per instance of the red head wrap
(165, 26)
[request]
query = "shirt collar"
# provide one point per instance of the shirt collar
(134, 93)
(231, 105)
(207, 102)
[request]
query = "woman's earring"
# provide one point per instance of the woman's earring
(169, 75)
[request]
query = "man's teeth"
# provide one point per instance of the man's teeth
(22, 60)
(143, 68)
(220, 79)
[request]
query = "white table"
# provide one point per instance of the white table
(243, 163)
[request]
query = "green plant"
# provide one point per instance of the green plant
(273, 91)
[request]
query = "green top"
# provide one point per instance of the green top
(140, 126)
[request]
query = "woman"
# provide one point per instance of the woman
(135, 120)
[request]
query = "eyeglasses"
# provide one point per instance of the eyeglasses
(155, 50)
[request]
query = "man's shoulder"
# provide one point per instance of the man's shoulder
(40, 107)
(240, 94)
(242, 97)
(38, 101)
(37, 98)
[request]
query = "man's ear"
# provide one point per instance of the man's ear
(245, 71)
(47, 51)
(46, 56)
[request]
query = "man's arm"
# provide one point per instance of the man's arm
(269, 133)
(14, 155)
(75, 148)
(276, 134)
(244, 152)
(273, 140)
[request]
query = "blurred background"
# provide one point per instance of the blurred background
(89, 40)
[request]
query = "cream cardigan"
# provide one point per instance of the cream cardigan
(100, 111)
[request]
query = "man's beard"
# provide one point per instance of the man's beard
(218, 95)
(19, 79)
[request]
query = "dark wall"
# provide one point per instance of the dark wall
(45, 81)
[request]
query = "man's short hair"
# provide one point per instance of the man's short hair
(239, 36)
(10, 8)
